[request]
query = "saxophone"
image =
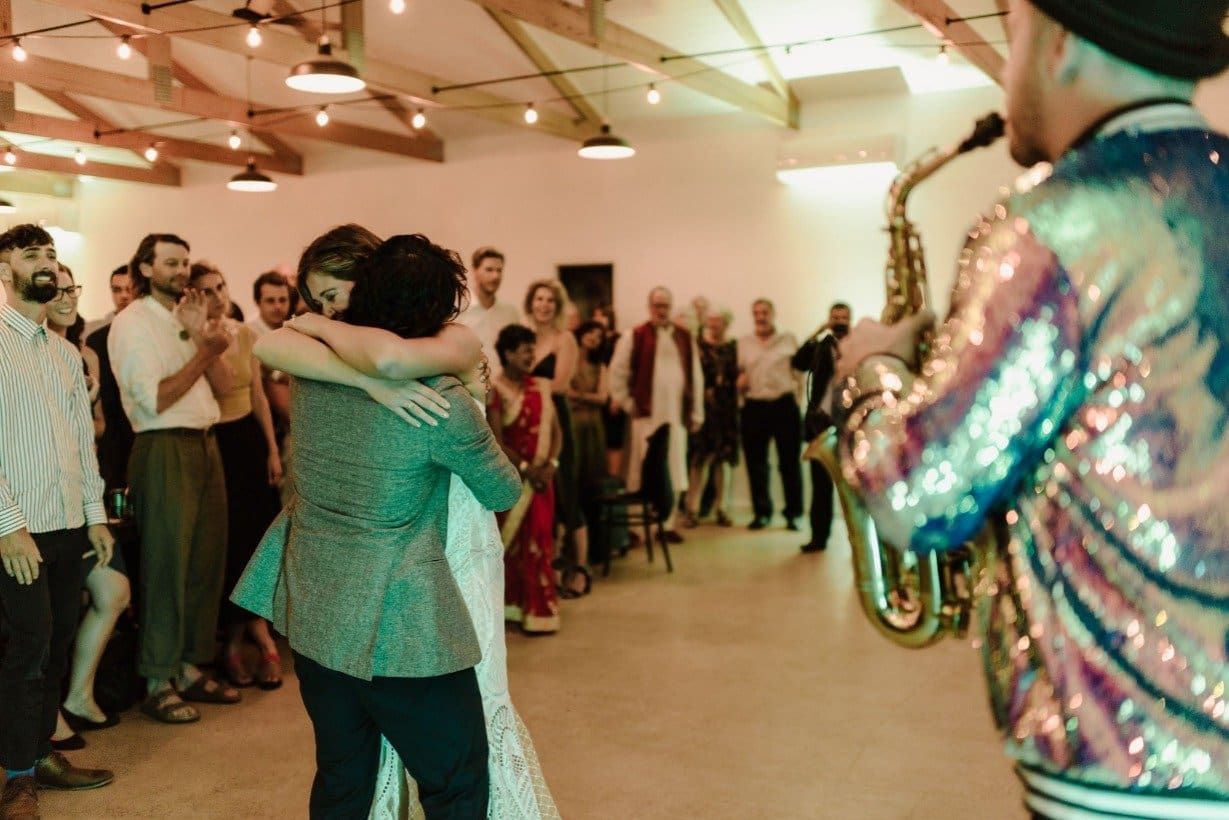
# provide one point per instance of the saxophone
(913, 600)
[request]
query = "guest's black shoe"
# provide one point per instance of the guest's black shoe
(791, 524)
(69, 744)
(758, 523)
(811, 546)
(55, 772)
(672, 537)
(79, 723)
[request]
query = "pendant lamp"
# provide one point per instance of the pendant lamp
(251, 181)
(606, 145)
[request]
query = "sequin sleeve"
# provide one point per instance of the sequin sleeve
(932, 454)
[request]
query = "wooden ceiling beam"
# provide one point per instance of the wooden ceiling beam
(70, 78)
(288, 50)
(158, 175)
(99, 123)
(741, 23)
(96, 132)
(574, 23)
(516, 31)
(964, 39)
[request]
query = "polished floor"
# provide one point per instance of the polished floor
(745, 685)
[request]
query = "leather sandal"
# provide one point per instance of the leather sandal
(167, 706)
(207, 690)
(269, 675)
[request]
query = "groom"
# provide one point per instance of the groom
(354, 573)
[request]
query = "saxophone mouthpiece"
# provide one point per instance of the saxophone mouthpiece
(988, 129)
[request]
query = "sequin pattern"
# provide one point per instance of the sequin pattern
(1078, 391)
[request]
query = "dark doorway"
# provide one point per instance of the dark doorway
(588, 286)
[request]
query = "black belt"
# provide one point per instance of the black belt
(181, 432)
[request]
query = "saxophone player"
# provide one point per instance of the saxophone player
(1075, 400)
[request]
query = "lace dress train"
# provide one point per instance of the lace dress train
(518, 789)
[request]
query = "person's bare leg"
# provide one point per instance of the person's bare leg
(580, 581)
(269, 673)
(232, 656)
(109, 597)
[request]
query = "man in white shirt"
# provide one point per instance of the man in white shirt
(770, 414)
(486, 315)
(51, 513)
(655, 376)
(272, 295)
(121, 297)
(166, 359)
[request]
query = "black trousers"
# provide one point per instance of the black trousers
(821, 504)
(38, 623)
(435, 724)
(778, 421)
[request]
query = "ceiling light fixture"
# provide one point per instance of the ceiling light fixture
(943, 58)
(396, 6)
(322, 117)
(606, 145)
(254, 39)
(123, 50)
(654, 96)
(79, 157)
(251, 180)
(234, 141)
(531, 114)
(19, 53)
(325, 75)
(151, 153)
(419, 120)
(7, 207)
(10, 156)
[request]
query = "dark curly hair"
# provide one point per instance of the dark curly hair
(410, 286)
(24, 236)
(510, 338)
(337, 253)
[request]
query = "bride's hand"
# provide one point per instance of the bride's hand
(412, 400)
(309, 324)
(478, 380)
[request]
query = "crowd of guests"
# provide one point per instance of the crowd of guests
(159, 421)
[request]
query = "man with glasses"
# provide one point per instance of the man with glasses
(51, 513)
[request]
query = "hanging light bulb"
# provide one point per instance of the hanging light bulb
(325, 74)
(606, 146)
(654, 96)
(322, 117)
(943, 58)
(151, 153)
(79, 157)
(19, 53)
(254, 39)
(396, 6)
(251, 180)
(233, 141)
(419, 120)
(123, 50)
(10, 156)
(531, 114)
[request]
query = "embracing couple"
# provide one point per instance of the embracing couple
(385, 569)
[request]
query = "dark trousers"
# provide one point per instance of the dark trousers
(178, 497)
(38, 623)
(821, 504)
(778, 421)
(435, 724)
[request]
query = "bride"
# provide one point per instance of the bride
(386, 366)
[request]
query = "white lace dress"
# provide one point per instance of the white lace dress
(518, 790)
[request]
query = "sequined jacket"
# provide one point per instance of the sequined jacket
(1077, 398)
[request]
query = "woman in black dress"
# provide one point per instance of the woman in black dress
(715, 446)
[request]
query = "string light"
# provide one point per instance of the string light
(396, 6)
(79, 157)
(233, 141)
(19, 53)
(419, 120)
(322, 117)
(943, 58)
(10, 156)
(123, 50)
(151, 153)
(531, 114)
(254, 39)
(654, 96)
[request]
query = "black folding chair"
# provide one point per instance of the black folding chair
(650, 505)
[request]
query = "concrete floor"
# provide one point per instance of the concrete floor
(745, 685)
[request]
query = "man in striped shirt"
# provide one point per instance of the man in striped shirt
(51, 513)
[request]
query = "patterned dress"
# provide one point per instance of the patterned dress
(718, 437)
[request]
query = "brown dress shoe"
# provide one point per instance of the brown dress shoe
(20, 800)
(55, 772)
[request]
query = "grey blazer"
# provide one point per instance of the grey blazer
(353, 570)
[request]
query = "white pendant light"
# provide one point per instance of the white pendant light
(7, 207)
(325, 74)
(606, 146)
(251, 181)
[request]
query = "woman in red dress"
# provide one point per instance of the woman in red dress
(523, 417)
